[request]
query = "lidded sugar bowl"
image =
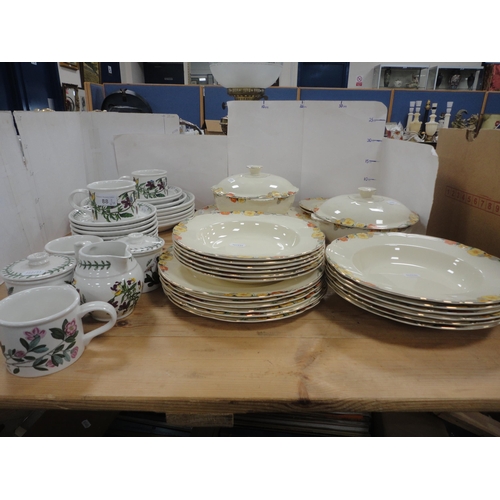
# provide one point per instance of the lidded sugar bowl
(255, 190)
(147, 250)
(38, 269)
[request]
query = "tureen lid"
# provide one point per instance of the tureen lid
(38, 267)
(255, 184)
(366, 211)
(140, 243)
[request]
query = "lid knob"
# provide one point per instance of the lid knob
(254, 169)
(135, 237)
(38, 259)
(366, 192)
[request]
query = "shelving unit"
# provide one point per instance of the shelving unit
(404, 77)
(468, 78)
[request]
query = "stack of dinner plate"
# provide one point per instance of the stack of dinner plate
(415, 279)
(173, 208)
(230, 301)
(145, 222)
(256, 256)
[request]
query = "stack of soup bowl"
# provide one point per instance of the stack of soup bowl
(172, 204)
(417, 280)
(111, 210)
(361, 212)
(244, 266)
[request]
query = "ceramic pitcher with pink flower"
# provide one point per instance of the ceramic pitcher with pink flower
(107, 271)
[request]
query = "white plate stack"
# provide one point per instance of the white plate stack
(417, 280)
(144, 222)
(176, 206)
(273, 263)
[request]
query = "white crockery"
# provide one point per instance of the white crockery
(145, 211)
(41, 329)
(109, 201)
(255, 190)
(248, 235)
(38, 269)
(146, 250)
(418, 266)
(149, 183)
(246, 74)
(66, 244)
(107, 271)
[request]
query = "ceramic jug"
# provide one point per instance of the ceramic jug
(108, 272)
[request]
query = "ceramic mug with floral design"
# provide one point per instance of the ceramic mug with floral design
(41, 329)
(150, 183)
(109, 201)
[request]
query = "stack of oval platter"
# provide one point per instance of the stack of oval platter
(249, 254)
(415, 279)
(144, 222)
(176, 206)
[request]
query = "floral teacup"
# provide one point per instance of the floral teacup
(41, 330)
(109, 201)
(151, 183)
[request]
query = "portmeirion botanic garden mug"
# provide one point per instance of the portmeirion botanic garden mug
(150, 183)
(109, 201)
(41, 329)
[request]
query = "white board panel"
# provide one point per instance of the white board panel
(100, 128)
(19, 226)
(193, 162)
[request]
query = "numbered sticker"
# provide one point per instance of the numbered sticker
(240, 245)
(104, 200)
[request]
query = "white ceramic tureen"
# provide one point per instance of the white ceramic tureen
(38, 269)
(255, 190)
(363, 212)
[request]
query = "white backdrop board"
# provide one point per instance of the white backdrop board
(193, 162)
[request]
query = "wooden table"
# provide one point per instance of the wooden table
(335, 357)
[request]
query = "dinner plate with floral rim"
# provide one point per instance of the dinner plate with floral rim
(173, 271)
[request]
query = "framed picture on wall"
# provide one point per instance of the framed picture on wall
(69, 65)
(70, 97)
(90, 72)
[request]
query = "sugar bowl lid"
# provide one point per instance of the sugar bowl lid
(37, 267)
(140, 243)
(366, 210)
(255, 184)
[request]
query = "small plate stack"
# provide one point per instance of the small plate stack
(144, 222)
(245, 253)
(417, 280)
(173, 208)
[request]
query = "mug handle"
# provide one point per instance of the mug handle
(97, 306)
(72, 196)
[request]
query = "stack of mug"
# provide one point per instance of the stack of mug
(172, 204)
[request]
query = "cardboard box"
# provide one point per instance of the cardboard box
(466, 204)
(213, 127)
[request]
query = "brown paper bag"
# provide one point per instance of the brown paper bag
(466, 205)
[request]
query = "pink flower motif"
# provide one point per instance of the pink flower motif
(70, 328)
(50, 364)
(74, 352)
(36, 332)
(19, 354)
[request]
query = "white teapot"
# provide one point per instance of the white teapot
(106, 271)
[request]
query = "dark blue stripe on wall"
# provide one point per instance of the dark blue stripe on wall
(492, 103)
(97, 93)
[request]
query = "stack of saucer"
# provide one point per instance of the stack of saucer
(81, 222)
(177, 205)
